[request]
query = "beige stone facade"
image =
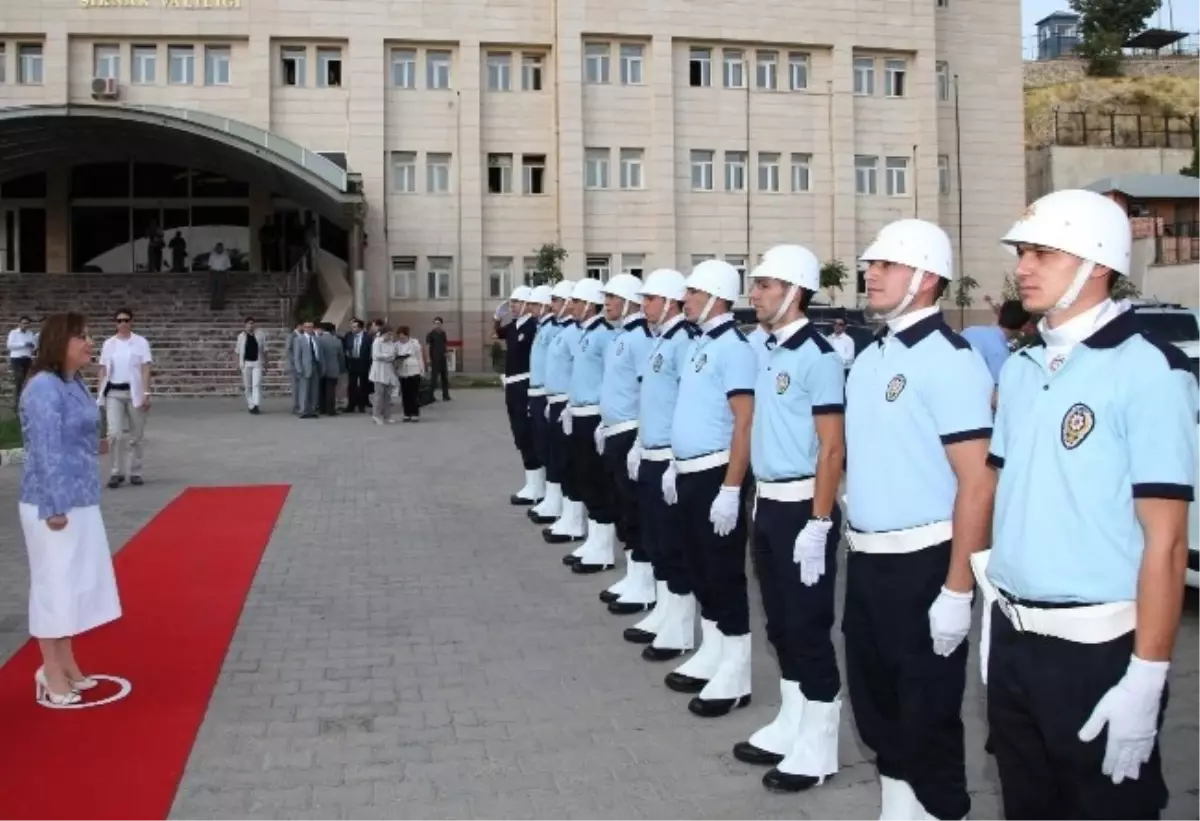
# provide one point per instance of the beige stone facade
(636, 136)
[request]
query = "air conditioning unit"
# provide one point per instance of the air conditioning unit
(104, 88)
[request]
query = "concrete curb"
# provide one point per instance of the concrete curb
(12, 457)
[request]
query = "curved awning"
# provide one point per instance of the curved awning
(37, 138)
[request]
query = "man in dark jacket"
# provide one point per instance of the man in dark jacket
(435, 345)
(358, 366)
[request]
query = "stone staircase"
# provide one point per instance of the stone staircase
(193, 346)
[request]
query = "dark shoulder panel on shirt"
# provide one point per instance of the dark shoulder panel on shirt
(952, 336)
(737, 333)
(820, 341)
(1176, 359)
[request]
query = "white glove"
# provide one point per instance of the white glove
(633, 460)
(1130, 709)
(950, 620)
(566, 421)
(599, 437)
(670, 496)
(809, 551)
(724, 511)
(547, 412)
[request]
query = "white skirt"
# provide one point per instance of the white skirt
(72, 587)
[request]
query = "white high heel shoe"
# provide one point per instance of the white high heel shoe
(78, 685)
(45, 695)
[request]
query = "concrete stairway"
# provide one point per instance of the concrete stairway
(193, 346)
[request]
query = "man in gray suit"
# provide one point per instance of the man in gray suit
(290, 364)
(333, 365)
(306, 365)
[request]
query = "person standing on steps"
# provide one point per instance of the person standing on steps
(542, 297)
(581, 420)
(670, 628)
(1095, 445)
(437, 346)
(797, 448)
(619, 394)
(710, 442)
(919, 502)
(518, 339)
(569, 524)
(125, 361)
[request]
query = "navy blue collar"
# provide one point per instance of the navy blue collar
(720, 329)
(917, 331)
(1106, 337)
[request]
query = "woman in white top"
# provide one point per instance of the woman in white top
(383, 373)
(411, 366)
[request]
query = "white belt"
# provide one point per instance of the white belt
(516, 377)
(712, 460)
(620, 427)
(537, 391)
(657, 455)
(557, 398)
(584, 410)
(910, 540)
(796, 490)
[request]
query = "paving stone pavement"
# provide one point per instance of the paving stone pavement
(411, 648)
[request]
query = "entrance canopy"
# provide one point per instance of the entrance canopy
(39, 138)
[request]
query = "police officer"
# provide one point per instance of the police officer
(1095, 443)
(571, 524)
(710, 442)
(797, 447)
(669, 629)
(616, 434)
(542, 297)
(919, 496)
(518, 337)
(580, 420)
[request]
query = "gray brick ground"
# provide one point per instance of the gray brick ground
(411, 649)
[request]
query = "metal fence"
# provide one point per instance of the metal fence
(1036, 47)
(1123, 130)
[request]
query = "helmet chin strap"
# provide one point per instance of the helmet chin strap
(914, 285)
(1082, 274)
(708, 306)
(783, 306)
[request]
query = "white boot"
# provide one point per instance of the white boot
(571, 522)
(702, 666)
(732, 677)
(615, 589)
(641, 586)
(814, 755)
(676, 629)
(652, 621)
(551, 504)
(778, 737)
(599, 549)
(533, 490)
(898, 802)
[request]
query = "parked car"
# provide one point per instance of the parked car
(1171, 323)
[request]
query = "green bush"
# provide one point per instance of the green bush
(10, 432)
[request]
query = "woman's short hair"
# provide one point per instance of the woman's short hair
(402, 330)
(57, 331)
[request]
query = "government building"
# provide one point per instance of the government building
(435, 146)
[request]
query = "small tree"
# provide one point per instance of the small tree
(833, 277)
(1011, 289)
(963, 297)
(1104, 28)
(1124, 288)
(547, 270)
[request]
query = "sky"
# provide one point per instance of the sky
(1185, 13)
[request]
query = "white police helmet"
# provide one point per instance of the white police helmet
(793, 264)
(562, 289)
(521, 293)
(665, 282)
(588, 290)
(716, 278)
(625, 286)
(918, 244)
(540, 295)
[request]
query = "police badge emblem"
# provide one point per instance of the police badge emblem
(700, 360)
(782, 382)
(1076, 425)
(656, 365)
(895, 387)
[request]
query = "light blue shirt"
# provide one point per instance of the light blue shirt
(60, 426)
(660, 373)
(803, 377)
(908, 396)
(559, 357)
(587, 362)
(547, 330)
(622, 362)
(1078, 447)
(758, 341)
(720, 365)
(989, 342)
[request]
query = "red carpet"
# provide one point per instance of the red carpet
(182, 579)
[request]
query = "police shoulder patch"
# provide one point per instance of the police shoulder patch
(1077, 424)
(895, 387)
(782, 381)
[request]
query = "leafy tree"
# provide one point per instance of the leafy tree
(1104, 28)
(963, 297)
(548, 268)
(1011, 290)
(1125, 289)
(833, 277)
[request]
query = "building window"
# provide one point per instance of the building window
(499, 171)
(499, 66)
(768, 172)
(499, 277)
(531, 72)
(698, 258)
(943, 174)
(437, 173)
(735, 170)
(599, 266)
(897, 176)
(700, 67)
(864, 76)
(181, 63)
(437, 69)
(106, 61)
(895, 74)
(797, 71)
(595, 62)
(403, 281)
(766, 70)
(329, 67)
(440, 278)
(739, 262)
(632, 58)
(404, 68)
(144, 68)
(864, 174)
(533, 169)
(596, 167)
(404, 172)
(631, 167)
(801, 173)
(217, 65)
(634, 264)
(293, 64)
(702, 170)
(943, 4)
(529, 270)
(29, 64)
(943, 81)
(734, 61)
(3, 63)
